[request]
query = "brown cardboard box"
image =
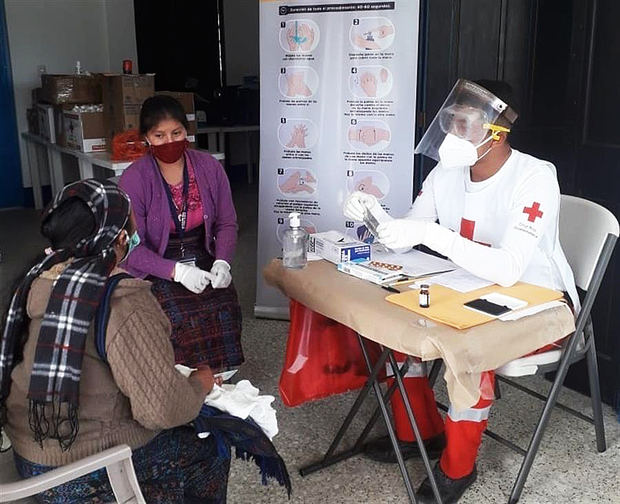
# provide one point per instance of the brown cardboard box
(122, 99)
(50, 122)
(85, 131)
(76, 89)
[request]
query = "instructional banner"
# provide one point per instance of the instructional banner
(338, 95)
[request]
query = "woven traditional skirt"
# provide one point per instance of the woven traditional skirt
(206, 327)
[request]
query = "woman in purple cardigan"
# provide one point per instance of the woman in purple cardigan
(188, 231)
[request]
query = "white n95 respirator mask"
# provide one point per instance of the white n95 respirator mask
(455, 152)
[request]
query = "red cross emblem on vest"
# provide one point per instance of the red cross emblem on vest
(533, 212)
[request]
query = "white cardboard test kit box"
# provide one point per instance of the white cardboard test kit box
(85, 131)
(337, 248)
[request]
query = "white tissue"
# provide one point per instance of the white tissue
(241, 400)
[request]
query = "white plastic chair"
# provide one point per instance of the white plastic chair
(117, 462)
(588, 234)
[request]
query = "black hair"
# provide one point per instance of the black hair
(160, 107)
(504, 92)
(68, 224)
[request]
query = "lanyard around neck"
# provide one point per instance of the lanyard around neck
(179, 218)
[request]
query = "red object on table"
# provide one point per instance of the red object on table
(323, 358)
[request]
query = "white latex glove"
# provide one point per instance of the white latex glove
(221, 274)
(402, 233)
(191, 277)
(355, 204)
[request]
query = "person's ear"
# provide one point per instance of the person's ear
(501, 140)
(122, 240)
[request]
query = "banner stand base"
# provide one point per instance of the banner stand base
(271, 312)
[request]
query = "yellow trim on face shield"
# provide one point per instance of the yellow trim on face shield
(495, 129)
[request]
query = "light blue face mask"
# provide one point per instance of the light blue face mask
(133, 242)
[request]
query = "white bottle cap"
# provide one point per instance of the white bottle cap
(294, 219)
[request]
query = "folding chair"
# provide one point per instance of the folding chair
(588, 234)
(117, 462)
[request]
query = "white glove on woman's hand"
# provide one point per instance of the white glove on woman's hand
(221, 274)
(193, 278)
(402, 233)
(355, 204)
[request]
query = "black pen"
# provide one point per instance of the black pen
(391, 289)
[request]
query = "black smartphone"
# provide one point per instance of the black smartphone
(488, 307)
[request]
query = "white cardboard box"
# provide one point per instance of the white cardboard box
(336, 248)
(84, 131)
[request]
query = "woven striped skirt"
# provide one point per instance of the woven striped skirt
(206, 327)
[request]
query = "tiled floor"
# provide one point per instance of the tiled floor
(567, 469)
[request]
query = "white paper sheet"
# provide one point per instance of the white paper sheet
(415, 263)
(460, 280)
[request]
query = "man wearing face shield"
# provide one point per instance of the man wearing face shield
(494, 212)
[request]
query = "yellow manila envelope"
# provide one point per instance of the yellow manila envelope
(447, 304)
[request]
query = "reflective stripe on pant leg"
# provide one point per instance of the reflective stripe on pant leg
(464, 433)
(471, 414)
(422, 402)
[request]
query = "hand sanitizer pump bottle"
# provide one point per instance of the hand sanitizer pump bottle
(294, 244)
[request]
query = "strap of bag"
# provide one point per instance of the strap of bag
(103, 314)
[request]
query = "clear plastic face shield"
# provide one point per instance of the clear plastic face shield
(469, 113)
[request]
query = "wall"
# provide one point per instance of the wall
(241, 39)
(121, 34)
(98, 33)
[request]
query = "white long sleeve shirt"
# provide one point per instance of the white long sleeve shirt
(503, 229)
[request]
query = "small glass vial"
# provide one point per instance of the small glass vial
(425, 296)
(294, 244)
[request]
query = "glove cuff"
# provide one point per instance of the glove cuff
(222, 261)
(439, 238)
(179, 271)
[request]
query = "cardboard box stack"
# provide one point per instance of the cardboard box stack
(123, 96)
(57, 95)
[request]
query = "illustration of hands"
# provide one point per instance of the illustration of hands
(368, 82)
(369, 135)
(367, 186)
(296, 85)
(300, 37)
(366, 43)
(298, 137)
(383, 31)
(296, 183)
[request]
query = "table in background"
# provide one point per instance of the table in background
(86, 163)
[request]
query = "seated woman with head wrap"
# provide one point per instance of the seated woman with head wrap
(61, 401)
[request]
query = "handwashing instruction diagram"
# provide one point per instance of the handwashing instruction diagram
(338, 95)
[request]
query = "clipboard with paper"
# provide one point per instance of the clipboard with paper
(447, 305)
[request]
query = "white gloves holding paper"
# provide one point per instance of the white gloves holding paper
(192, 277)
(358, 202)
(220, 273)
